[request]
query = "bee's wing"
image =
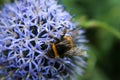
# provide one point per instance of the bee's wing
(76, 51)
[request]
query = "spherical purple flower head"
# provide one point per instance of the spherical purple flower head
(28, 28)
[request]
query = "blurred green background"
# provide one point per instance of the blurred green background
(101, 20)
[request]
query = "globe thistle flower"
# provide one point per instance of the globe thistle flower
(37, 42)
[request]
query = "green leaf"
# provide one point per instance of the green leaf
(101, 25)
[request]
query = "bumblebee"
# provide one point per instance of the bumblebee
(65, 47)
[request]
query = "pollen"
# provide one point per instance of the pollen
(55, 51)
(69, 39)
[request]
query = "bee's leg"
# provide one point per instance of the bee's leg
(55, 51)
(69, 40)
